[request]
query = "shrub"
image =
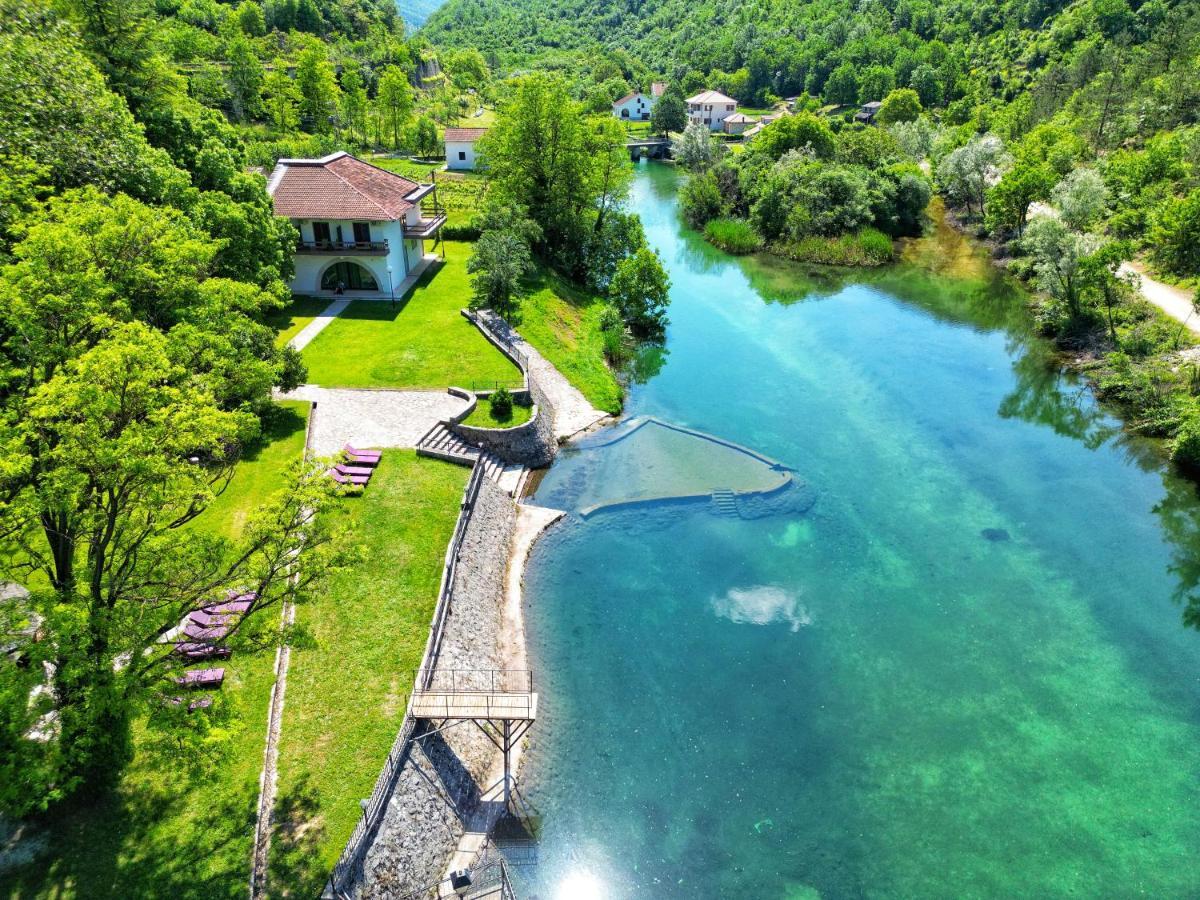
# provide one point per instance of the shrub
(501, 402)
(1185, 449)
(732, 235)
(868, 247)
(617, 341)
(700, 200)
(1175, 234)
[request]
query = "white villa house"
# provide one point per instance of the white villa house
(362, 229)
(460, 147)
(636, 106)
(711, 108)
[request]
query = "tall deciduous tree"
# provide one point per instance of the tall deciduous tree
(245, 80)
(670, 113)
(282, 97)
(640, 290)
(318, 90)
(395, 101)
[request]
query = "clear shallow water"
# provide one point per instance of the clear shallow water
(962, 672)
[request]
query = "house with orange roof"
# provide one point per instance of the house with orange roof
(460, 147)
(363, 230)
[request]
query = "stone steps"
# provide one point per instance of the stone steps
(442, 443)
(724, 503)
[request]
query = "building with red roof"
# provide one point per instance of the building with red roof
(363, 229)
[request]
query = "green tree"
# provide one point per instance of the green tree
(669, 113)
(425, 137)
(501, 258)
(395, 99)
(802, 131)
(282, 97)
(250, 19)
(641, 291)
(876, 83)
(902, 105)
(1008, 201)
(842, 85)
(928, 86)
(245, 80)
(318, 90)
(1081, 198)
(354, 102)
(701, 201)
(1175, 234)
(696, 149)
(965, 173)
(1059, 256)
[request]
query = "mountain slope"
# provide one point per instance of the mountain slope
(416, 12)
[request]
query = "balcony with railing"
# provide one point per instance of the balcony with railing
(425, 227)
(362, 248)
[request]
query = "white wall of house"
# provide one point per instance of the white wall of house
(403, 254)
(636, 108)
(460, 154)
(711, 114)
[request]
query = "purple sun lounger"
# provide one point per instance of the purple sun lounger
(362, 457)
(206, 619)
(364, 471)
(201, 678)
(199, 633)
(352, 480)
(197, 650)
(237, 603)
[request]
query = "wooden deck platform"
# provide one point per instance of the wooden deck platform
(505, 706)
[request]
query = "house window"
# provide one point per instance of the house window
(728, 108)
(625, 114)
(362, 233)
(708, 121)
(349, 277)
(321, 232)
(462, 154)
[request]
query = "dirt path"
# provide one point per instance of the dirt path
(1175, 302)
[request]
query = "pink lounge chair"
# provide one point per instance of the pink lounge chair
(199, 650)
(202, 703)
(200, 633)
(206, 619)
(365, 454)
(201, 678)
(364, 471)
(349, 480)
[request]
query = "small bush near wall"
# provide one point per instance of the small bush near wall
(732, 235)
(502, 404)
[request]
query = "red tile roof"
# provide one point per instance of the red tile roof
(465, 134)
(339, 186)
(627, 97)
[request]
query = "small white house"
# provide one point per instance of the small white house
(635, 107)
(460, 147)
(737, 123)
(711, 109)
(362, 229)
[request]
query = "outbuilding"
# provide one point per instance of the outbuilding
(460, 147)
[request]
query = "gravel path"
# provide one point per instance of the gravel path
(317, 325)
(368, 418)
(1175, 302)
(572, 411)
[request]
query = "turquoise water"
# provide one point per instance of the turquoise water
(962, 672)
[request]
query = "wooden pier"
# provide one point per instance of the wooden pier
(500, 702)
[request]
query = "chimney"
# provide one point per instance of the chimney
(657, 89)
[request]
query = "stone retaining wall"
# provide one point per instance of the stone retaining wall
(437, 795)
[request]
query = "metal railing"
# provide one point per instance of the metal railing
(494, 384)
(475, 681)
(342, 247)
(424, 227)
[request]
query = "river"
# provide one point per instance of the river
(963, 671)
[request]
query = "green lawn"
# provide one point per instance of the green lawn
(423, 343)
(563, 323)
(167, 832)
(292, 318)
(483, 417)
(346, 693)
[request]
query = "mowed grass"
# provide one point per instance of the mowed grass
(290, 320)
(563, 323)
(482, 416)
(167, 831)
(423, 343)
(347, 686)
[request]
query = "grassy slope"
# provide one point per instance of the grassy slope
(482, 417)
(346, 693)
(293, 317)
(424, 343)
(167, 832)
(563, 323)
(460, 193)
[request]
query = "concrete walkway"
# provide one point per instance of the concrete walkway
(572, 411)
(338, 306)
(1175, 302)
(370, 418)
